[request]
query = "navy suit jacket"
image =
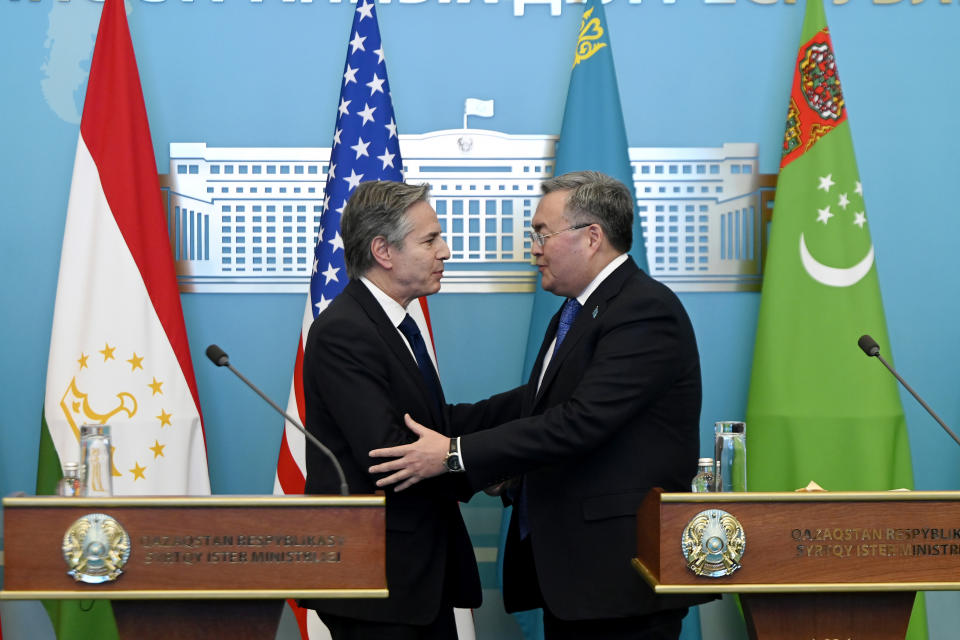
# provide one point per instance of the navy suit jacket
(359, 378)
(617, 413)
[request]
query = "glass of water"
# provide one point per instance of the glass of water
(730, 453)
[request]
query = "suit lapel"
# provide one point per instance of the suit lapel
(531, 394)
(398, 347)
(592, 311)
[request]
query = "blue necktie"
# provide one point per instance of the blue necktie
(410, 329)
(567, 315)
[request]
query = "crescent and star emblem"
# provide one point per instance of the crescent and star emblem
(834, 276)
(826, 274)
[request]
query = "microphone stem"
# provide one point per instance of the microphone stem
(344, 489)
(919, 399)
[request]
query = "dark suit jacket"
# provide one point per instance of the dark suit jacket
(617, 414)
(359, 378)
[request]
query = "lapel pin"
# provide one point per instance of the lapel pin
(595, 311)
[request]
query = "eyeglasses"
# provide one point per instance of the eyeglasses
(541, 238)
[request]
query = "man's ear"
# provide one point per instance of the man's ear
(595, 233)
(382, 252)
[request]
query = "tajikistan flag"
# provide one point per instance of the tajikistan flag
(118, 351)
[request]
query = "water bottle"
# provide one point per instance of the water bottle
(704, 480)
(69, 485)
(97, 463)
(730, 451)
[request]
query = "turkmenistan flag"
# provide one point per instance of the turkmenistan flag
(592, 137)
(118, 349)
(819, 409)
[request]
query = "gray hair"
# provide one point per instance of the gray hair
(596, 198)
(376, 208)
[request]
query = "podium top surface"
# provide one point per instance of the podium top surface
(812, 496)
(197, 501)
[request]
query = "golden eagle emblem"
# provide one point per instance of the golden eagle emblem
(96, 547)
(713, 543)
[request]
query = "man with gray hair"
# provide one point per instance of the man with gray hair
(611, 410)
(365, 366)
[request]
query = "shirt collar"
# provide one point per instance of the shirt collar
(391, 307)
(606, 271)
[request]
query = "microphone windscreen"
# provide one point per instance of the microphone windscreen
(217, 356)
(869, 345)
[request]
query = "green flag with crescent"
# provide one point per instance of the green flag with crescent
(819, 409)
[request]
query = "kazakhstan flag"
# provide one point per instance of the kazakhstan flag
(592, 137)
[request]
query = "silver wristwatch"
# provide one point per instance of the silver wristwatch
(453, 462)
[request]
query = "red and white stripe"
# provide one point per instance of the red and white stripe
(117, 291)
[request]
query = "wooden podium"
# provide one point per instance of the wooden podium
(814, 566)
(202, 567)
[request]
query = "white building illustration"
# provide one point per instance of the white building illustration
(702, 211)
(245, 219)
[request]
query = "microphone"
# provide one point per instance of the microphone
(219, 357)
(869, 346)
(872, 349)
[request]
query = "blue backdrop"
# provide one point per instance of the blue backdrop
(693, 73)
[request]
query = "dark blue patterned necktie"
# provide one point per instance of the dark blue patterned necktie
(410, 329)
(567, 315)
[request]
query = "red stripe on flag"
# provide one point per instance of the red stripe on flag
(426, 316)
(115, 130)
(288, 471)
(298, 382)
(301, 617)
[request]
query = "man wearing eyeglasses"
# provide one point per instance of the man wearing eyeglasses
(611, 410)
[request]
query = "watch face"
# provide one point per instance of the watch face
(453, 463)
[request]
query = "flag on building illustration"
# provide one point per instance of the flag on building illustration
(118, 350)
(477, 107)
(819, 409)
(365, 147)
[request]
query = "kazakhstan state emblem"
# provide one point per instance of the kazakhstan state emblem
(96, 547)
(713, 543)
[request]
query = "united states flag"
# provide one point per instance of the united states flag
(365, 147)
